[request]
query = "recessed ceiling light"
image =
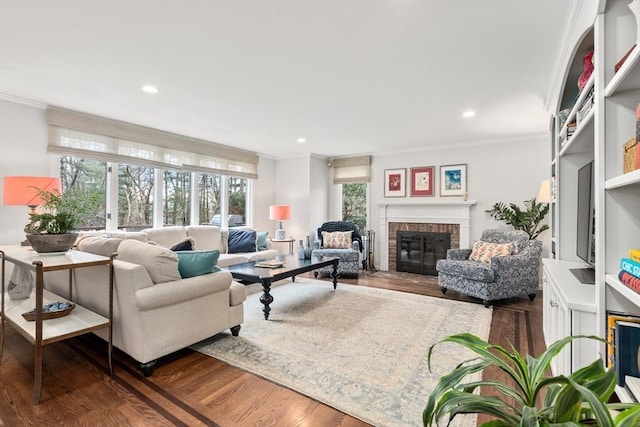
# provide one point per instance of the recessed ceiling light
(468, 114)
(301, 140)
(150, 89)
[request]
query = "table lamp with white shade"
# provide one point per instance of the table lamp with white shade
(544, 194)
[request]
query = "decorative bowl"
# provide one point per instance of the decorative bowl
(52, 310)
(44, 243)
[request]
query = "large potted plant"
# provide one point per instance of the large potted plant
(528, 219)
(52, 230)
(533, 398)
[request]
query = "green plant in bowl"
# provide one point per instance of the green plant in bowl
(532, 398)
(51, 230)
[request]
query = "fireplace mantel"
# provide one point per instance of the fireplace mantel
(436, 211)
(417, 202)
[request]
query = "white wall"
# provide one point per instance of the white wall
(319, 194)
(23, 148)
(263, 196)
(292, 184)
(501, 172)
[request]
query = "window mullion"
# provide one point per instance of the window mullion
(112, 197)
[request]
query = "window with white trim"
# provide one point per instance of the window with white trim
(353, 175)
(140, 154)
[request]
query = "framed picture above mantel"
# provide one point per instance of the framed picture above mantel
(422, 181)
(453, 180)
(394, 182)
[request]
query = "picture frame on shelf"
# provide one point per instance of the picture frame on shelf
(453, 180)
(395, 182)
(422, 181)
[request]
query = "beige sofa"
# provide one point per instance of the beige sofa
(155, 311)
(207, 237)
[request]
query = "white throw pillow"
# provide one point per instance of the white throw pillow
(161, 263)
(104, 246)
(207, 237)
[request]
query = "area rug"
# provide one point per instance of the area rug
(360, 350)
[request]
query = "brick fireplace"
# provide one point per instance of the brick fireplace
(437, 216)
(418, 232)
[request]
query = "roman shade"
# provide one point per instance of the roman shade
(352, 170)
(84, 135)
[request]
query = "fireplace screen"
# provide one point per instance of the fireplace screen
(418, 251)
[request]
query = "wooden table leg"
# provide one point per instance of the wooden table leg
(37, 387)
(266, 297)
(334, 273)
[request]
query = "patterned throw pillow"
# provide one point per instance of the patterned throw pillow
(484, 251)
(336, 240)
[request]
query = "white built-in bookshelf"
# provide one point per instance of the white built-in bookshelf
(598, 136)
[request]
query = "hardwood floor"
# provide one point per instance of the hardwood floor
(191, 389)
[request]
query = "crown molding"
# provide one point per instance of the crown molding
(23, 101)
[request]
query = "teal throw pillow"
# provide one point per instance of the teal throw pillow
(262, 240)
(197, 263)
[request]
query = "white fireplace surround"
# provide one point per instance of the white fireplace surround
(423, 212)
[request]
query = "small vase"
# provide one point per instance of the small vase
(635, 9)
(301, 254)
(587, 64)
(307, 249)
(20, 283)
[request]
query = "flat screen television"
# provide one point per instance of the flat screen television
(585, 243)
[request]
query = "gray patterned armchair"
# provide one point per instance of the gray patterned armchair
(503, 276)
(349, 258)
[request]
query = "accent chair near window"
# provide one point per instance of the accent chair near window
(340, 239)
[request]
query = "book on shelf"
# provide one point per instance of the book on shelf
(630, 266)
(631, 155)
(567, 132)
(629, 280)
(585, 107)
(269, 264)
(627, 342)
(584, 110)
(612, 318)
(632, 384)
(634, 255)
(624, 58)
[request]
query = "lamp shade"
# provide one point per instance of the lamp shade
(23, 190)
(544, 194)
(279, 212)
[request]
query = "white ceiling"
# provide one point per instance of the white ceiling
(350, 76)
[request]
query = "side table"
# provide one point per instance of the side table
(289, 240)
(41, 333)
